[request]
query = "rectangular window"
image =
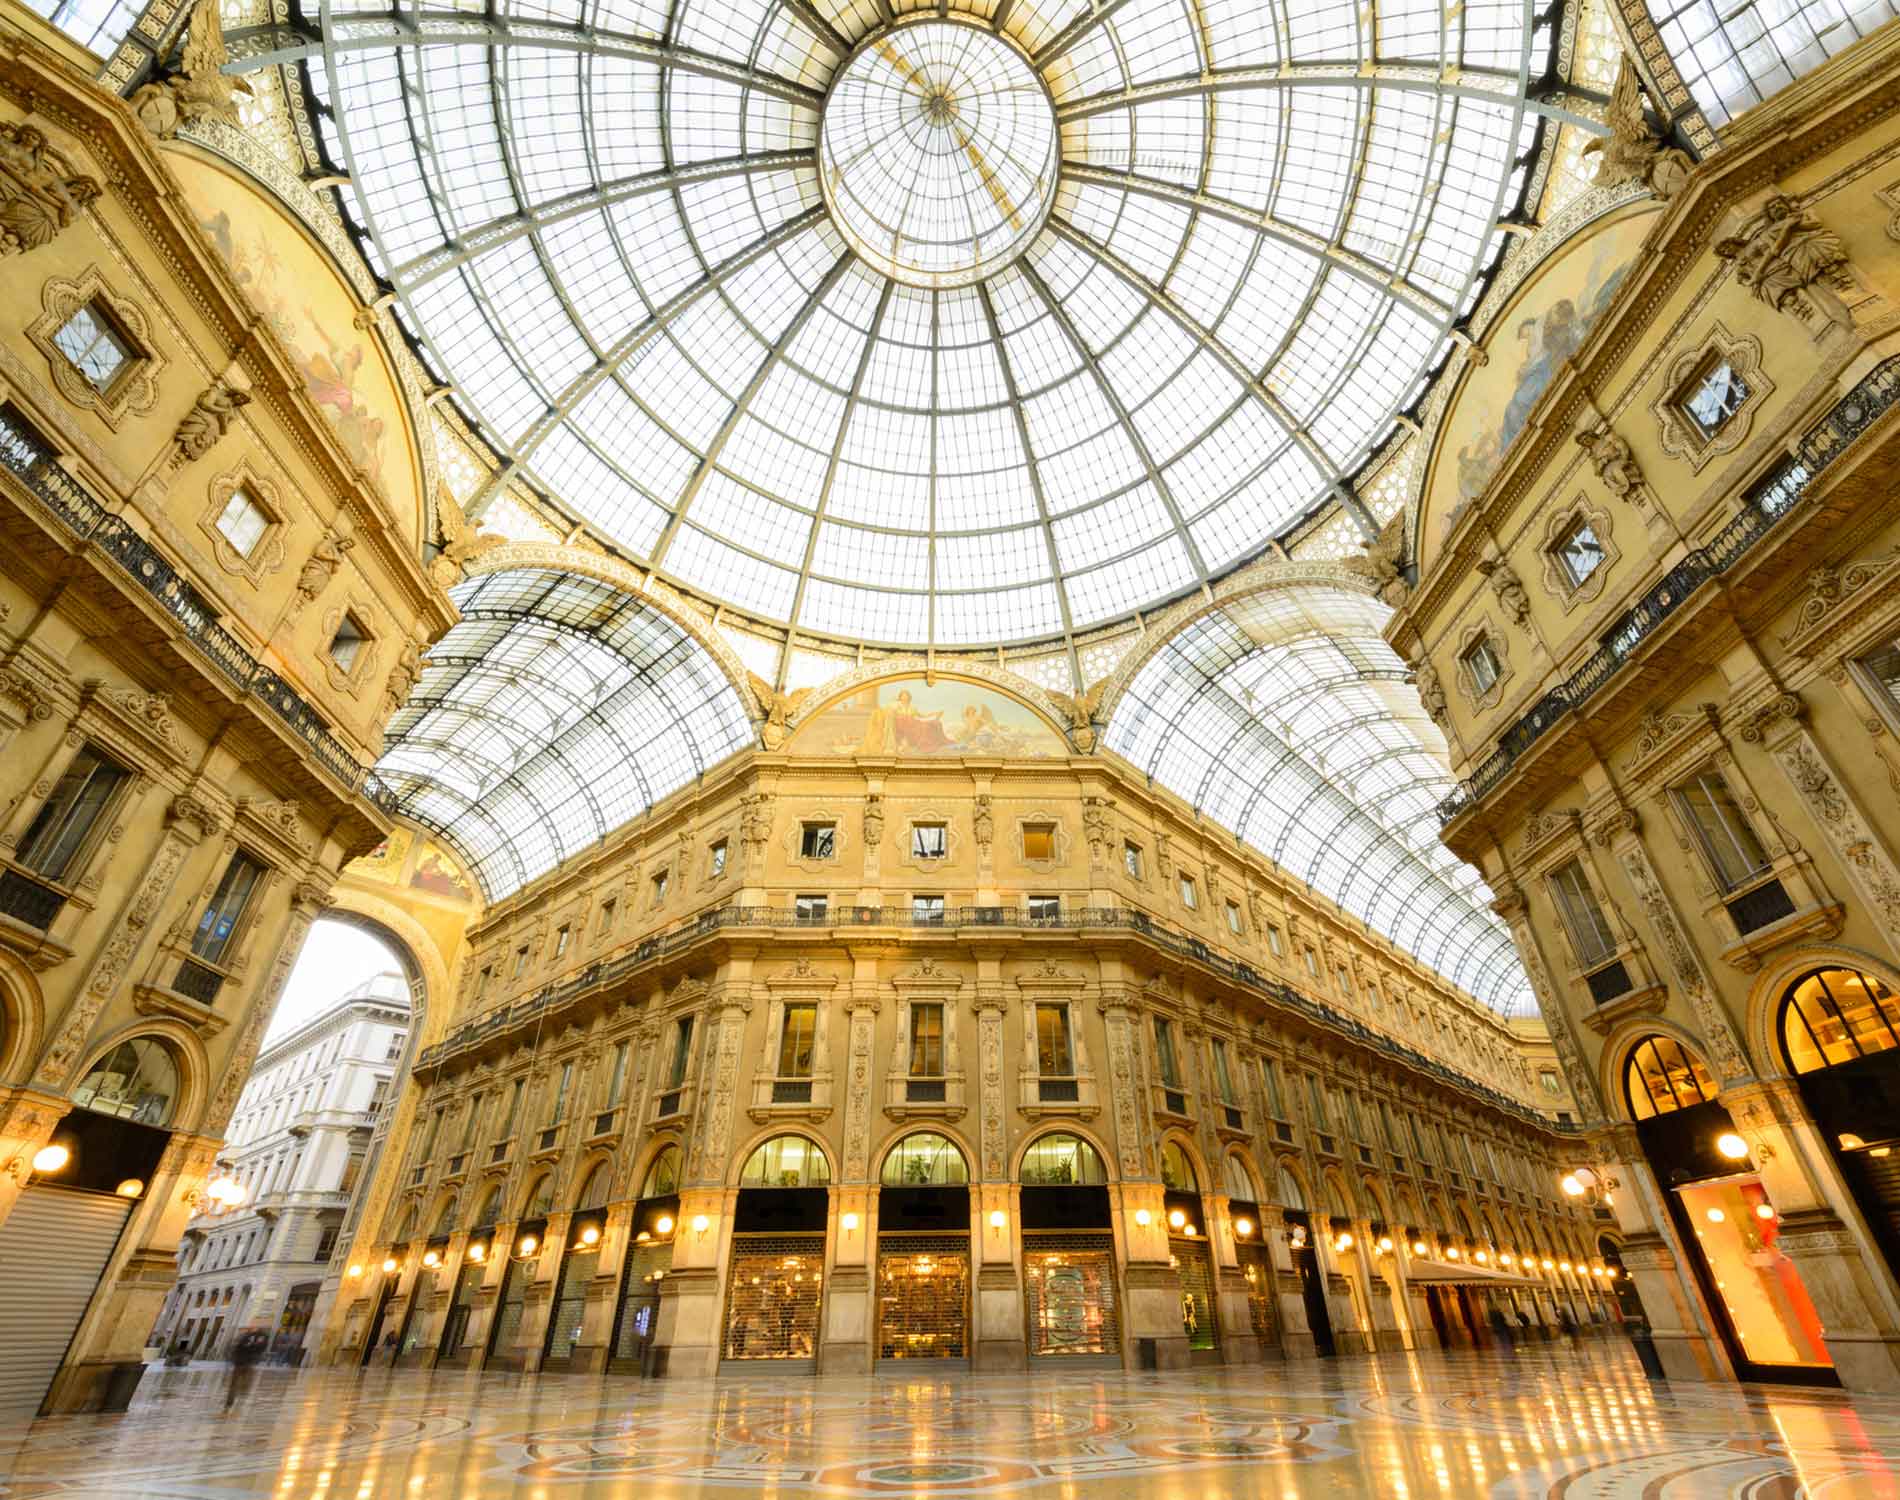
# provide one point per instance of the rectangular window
(1270, 1079)
(468, 1122)
(1164, 1052)
(93, 345)
(617, 1077)
(1578, 552)
(1714, 397)
(482, 979)
(1039, 841)
(818, 841)
(1276, 945)
(242, 522)
(61, 828)
(795, 1041)
(1345, 981)
(1481, 665)
(514, 1109)
(716, 859)
(608, 910)
(559, 1112)
(348, 642)
(1316, 1102)
(1045, 908)
(1880, 671)
(1131, 860)
(1589, 932)
(659, 886)
(1233, 918)
(1726, 838)
(929, 841)
(927, 910)
(219, 923)
(521, 960)
(682, 1051)
(1190, 898)
(810, 908)
(561, 935)
(1055, 1058)
(926, 1039)
(429, 1141)
(1312, 963)
(1223, 1074)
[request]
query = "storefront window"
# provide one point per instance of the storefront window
(1662, 1077)
(1738, 1233)
(773, 1306)
(923, 1285)
(1836, 1015)
(1070, 1295)
(1061, 1160)
(925, 1160)
(787, 1161)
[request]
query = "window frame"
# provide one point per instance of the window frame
(814, 833)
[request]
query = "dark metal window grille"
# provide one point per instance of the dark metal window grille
(1767, 903)
(1070, 1295)
(1195, 1273)
(923, 1297)
(772, 1302)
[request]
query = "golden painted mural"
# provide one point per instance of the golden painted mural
(911, 718)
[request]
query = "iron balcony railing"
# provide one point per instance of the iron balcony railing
(715, 920)
(1771, 499)
(28, 459)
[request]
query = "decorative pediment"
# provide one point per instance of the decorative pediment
(1663, 737)
(1837, 593)
(1049, 975)
(801, 973)
(1540, 828)
(927, 973)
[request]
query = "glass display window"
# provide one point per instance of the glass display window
(1738, 1232)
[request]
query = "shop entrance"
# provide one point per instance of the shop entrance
(923, 1261)
(1761, 1309)
(1071, 1313)
(1306, 1266)
(1188, 1254)
(775, 1288)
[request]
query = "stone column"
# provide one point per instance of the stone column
(998, 1341)
(1153, 1290)
(689, 1328)
(847, 1310)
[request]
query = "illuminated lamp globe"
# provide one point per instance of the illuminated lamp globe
(1764, 1211)
(389, 1265)
(50, 1159)
(1176, 1218)
(664, 1224)
(132, 1187)
(1243, 1227)
(590, 1235)
(1731, 1145)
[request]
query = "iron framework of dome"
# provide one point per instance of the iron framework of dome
(1190, 261)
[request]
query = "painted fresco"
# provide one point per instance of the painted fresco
(437, 873)
(913, 719)
(1528, 345)
(309, 310)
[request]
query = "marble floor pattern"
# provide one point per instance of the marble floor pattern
(1554, 1421)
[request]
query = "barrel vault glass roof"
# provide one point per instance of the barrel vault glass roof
(1286, 718)
(555, 710)
(605, 222)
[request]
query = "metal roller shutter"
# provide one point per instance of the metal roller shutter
(53, 1248)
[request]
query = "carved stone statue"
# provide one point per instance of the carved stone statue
(779, 707)
(985, 821)
(39, 192)
(321, 566)
(1431, 693)
(1633, 151)
(756, 819)
(403, 677)
(1508, 587)
(873, 821)
(197, 90)
(1789, 260)
(208, 420)
(1610, 456)
(1384, 562)
(461, 542)
(1081, 712)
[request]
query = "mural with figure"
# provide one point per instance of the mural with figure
(910, 717)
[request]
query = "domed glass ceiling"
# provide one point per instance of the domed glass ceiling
(958, 324)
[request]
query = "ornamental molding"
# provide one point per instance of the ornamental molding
(1557, 582)
(1870, 863)
(40, 194)
(802, 974)
(1839, 595)
(267, 554)
(1677, 431)
(134, 391)
(1050, 975)
(1664, 738)
(1542, 828)
(927, 974)
(1482, 630)
(132, 719)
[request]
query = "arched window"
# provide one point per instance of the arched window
(1292, 1195)
(540, 1199)
(408, 1226)
(1663, 1076)
(137, 1080)
(491, 1208)
(786, 1161)
(1832, 1016)
(1238, 1177)
(1177, 1172)
(663, 1177)
(925, 1159)
(593, 1193)
(445, 1219)
(1062, 1160)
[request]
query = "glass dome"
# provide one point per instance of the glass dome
(920, 324)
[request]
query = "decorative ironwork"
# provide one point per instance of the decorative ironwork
(1771, 499)
(27, 457)
(196, 982)
(28, 900)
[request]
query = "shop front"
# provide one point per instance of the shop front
(1072, 1313)
(923, 1252)
(511, 1301)
(1724, 1218)
(775, 1284)
(1190, 1255)
(580, 1264)
(649, 1261)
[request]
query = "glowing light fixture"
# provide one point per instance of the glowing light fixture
(1143, 1217)
(1385, 1244)
(1176, 1218)
(849, 1221)
(1481, 1258)
(1451, 1252)
(590, 1235)
(664, 1224)
(1190, 1231)
(527, 1245)
(1716, 1216)
(1731, 1145)
(431, 1259)
(50, 1159)
(998, 1218)
(1243, 1227)
(389, 1265)
(355, 1271)
(1764, 1210)
(1548, 1263)
(1418, 1247)
(478, 1253)
(132, 1187)
(701, 1223)
(1572, 1185)
(1344, 1242)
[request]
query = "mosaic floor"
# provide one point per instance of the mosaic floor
(1580, 1424)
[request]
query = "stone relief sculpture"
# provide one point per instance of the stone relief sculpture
(198, 89)
(1431, 693)
(1384, 563)
(1633, 151)
(40, 194)
(208, 420)
(1508, 587)
(461, 542)
(322, 565)
(1789, 260)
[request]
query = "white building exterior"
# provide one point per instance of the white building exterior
(298, 1142)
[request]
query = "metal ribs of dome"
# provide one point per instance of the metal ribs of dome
(609, 234)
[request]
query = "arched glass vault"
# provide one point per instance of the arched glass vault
(1285, 717)
(556, 709)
